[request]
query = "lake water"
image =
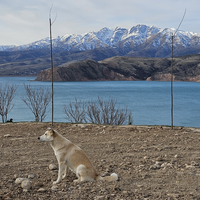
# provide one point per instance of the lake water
(149, 102)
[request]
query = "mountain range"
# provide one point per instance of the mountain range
(138, 41)
(121, 39)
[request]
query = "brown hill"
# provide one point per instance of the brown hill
(186, 68)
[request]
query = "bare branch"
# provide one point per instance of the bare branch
(98, 112)
(180, 22)
(6, 96)
(50, 16)
(37, 100)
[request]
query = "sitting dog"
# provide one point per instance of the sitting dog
(71, 156)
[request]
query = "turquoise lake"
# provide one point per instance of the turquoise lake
(149, 102)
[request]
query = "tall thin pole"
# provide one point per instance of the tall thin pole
(50, 25)
(172, 104)
(172, 78)
(51, 70)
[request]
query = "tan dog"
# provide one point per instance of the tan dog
(71, 156)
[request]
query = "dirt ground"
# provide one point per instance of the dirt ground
(152, 162)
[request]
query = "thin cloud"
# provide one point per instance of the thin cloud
(24, 22)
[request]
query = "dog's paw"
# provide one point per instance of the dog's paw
(63, 176)
(56, 182)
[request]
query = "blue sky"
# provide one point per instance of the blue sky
(23, 22)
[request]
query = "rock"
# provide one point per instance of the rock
(175, 196)
(154, 167)
(26, 185)
(31, 176)
(42, 190)
(189, 166)
(158, 163)
(7, 135)
(141, 166)
(191, 173)
(54, 188)
(159, 158)
(38, 185)
(139, 186)
(103, 132)
(19, 180)
(165, 164)
(15, 176)
(53, 167)
(99, 197)
(193, 163)
(81, 125)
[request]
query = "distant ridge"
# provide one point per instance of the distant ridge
(138, 41)
(126, 68)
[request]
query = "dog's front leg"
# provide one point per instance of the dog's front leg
(60, 172)
(65, 172)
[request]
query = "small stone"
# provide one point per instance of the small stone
(31, 176)
(189, 166)
(99, 197)
(54, 188)
(159, 159)
(7, 135)
(26, 185)
(154, 167)
(164, 165)
(52, 167)
(175, 196)
(15, 176)
(193, 163)
(42, 190)
(81, 125)
(141, 166)
(139, 186)
(169, 164)
(38, 185)
(191, 173)
(158, 163)
(19, 180)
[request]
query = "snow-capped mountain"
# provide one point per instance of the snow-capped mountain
(137, 38)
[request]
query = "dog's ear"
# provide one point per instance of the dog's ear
(53, 133)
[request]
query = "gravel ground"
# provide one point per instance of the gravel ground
(152, 162)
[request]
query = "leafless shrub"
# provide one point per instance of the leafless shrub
(7, 93)
(97, 112)
(75, 112)
(37, 100)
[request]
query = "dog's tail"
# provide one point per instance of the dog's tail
(112, 177)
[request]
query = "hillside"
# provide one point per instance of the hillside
(138, 41)
(186, 68)
(31, 62)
